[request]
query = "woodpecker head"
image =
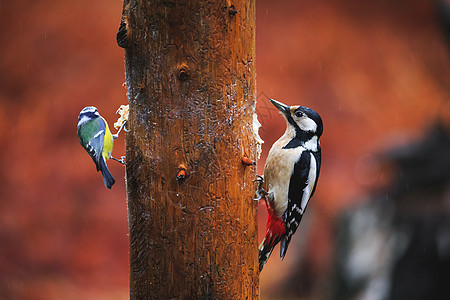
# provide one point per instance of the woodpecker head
(302, 120)
(88, 113)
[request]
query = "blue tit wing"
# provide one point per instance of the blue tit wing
(301, 187)
(96, 144)
(91, 135)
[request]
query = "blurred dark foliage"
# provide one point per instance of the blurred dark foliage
(424, 166)
(420, 192)
(396, 245)
(444, 13)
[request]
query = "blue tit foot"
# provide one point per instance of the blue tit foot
(116, 136)
(121, 160)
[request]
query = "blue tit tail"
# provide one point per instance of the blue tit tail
(108, 179)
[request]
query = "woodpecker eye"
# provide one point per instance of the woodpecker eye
(298, 114)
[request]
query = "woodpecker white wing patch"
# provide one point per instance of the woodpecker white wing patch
(298, 185)
(301, 188)
(307, 191)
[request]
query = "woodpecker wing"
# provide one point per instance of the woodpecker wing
(318, 157)
(301, 188)
(91, 135)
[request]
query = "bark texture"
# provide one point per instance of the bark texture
(190, 74)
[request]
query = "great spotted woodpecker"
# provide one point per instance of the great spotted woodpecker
(290, 174)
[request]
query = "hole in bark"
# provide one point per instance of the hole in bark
(232, 11)
(183, 72)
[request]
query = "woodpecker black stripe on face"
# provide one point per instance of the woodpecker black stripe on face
(290, 173)
(306, 132)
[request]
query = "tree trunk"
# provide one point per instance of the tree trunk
(190, 74)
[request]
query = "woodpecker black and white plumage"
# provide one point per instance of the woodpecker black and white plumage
(290, 175)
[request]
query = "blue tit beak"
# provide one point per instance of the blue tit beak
(283, 108)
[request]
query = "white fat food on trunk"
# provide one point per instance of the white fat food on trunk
(259, 141)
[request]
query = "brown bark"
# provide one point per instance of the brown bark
(190, 75)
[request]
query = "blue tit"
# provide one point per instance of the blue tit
(95, 136)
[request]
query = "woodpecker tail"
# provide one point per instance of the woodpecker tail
(287, 238)
(108, 179)
(275, 232)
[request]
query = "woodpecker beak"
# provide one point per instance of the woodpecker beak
(285, 109)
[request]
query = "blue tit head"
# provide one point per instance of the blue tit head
(301, 118)
(87, 114)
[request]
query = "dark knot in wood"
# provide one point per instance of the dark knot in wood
(183, 72)
(232, 11)
(181, 174)
(247, 161)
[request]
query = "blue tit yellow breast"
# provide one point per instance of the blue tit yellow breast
(108, 142)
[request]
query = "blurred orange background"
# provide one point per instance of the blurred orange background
(377, 72)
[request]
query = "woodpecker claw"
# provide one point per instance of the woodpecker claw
(259, 178)
(260, 192)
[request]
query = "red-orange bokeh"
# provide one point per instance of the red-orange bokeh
(377, 72)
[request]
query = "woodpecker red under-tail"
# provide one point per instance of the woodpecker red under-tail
(290, 174)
